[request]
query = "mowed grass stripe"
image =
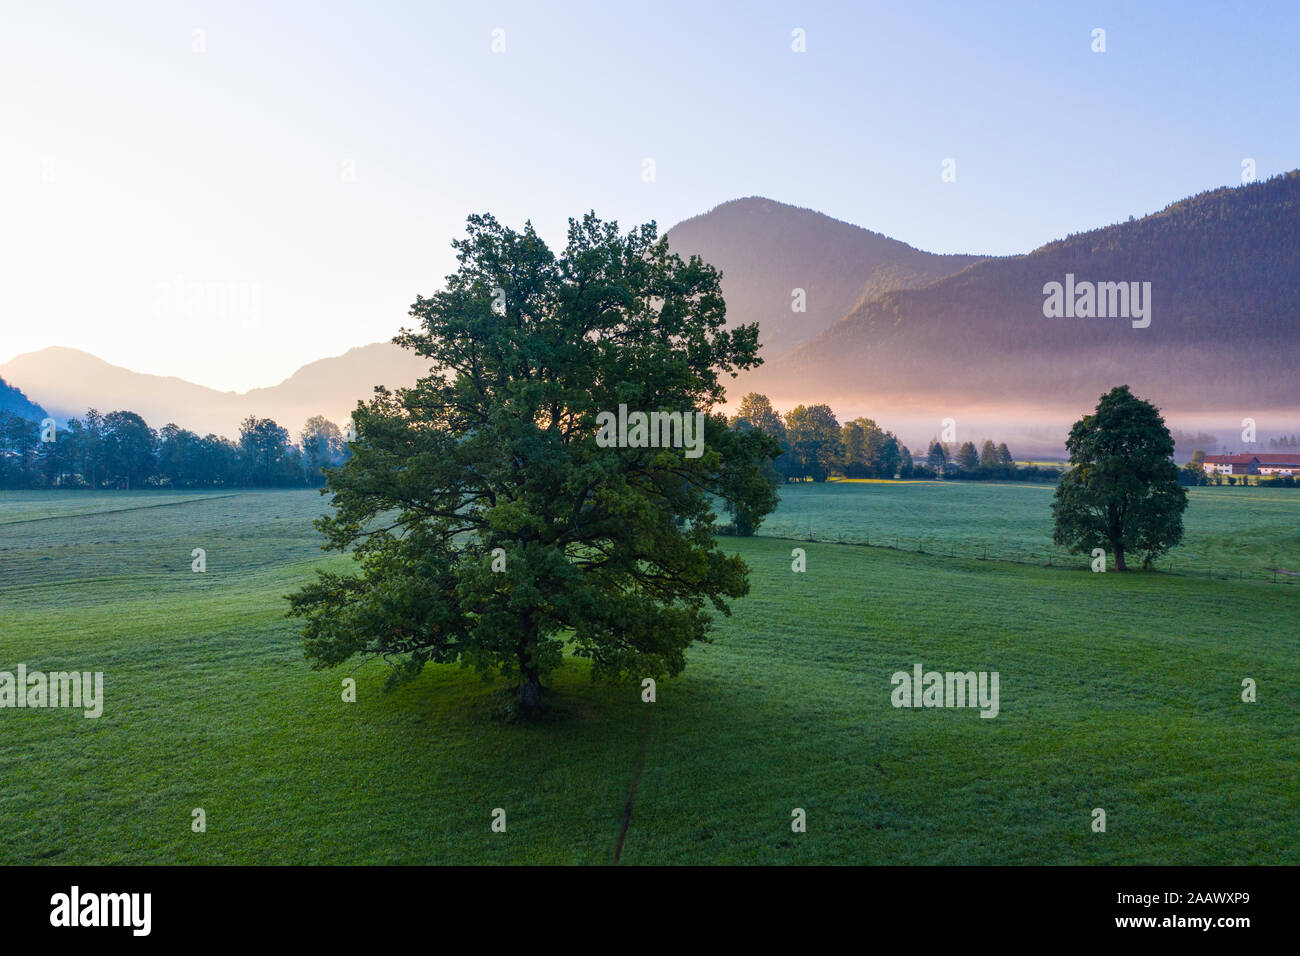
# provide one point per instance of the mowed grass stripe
(250, 530)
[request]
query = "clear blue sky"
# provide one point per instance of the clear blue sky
(283, 192)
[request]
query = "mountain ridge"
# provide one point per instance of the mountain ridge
(1224, 304)
(920, 335)
(328, 386)
(14, 402)
(766, 250)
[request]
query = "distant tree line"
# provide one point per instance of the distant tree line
(120, 450)
(815, 447)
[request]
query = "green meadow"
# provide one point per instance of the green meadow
(1120, 692)
(1228, 531)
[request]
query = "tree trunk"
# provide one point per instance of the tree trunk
(1119, 556)
(530, 697)
(530, 685)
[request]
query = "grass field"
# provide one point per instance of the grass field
(1121, 692)
(1228, 531)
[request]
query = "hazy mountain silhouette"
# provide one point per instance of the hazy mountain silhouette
(767, 249)
(13, 401)
(764, 248)
(924, 336)
(1224, 268)
(70, 381)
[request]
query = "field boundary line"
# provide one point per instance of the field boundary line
(1056, 560)
(118, 511)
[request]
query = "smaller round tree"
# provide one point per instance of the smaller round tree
(1122, 491)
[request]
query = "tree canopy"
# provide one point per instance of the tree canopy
(813, 435)
(1122, 492)
(489, 524)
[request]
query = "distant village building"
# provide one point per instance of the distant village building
(1274, 464)
(1270, 463)
(1231, 465)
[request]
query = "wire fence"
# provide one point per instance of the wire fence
(1014, 553)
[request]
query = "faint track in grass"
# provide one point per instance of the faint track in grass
(646, 724)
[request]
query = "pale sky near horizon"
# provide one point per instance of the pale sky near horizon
(227, 191)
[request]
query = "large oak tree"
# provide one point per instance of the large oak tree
(488, 524)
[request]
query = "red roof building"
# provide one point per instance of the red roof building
(1270, 463)
(1273, 463)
